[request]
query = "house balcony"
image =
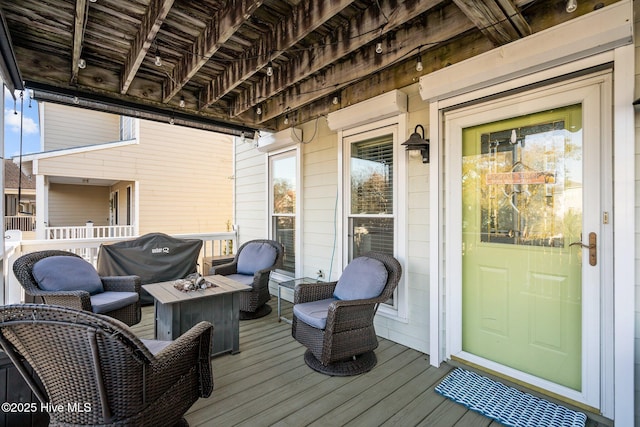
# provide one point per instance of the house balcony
(268, 383)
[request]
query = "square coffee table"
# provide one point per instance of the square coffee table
(176, 311)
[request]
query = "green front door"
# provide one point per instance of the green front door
(522, 203)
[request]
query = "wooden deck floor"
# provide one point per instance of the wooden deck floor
(268, 383)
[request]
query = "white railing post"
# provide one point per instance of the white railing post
(89, 230)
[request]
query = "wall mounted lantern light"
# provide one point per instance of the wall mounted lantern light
(417, 142)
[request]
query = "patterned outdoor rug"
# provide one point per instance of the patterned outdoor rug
(504, 404)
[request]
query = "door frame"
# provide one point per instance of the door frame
(592, 91)
(618, 356)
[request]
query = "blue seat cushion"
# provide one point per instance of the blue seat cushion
(363, 278)
(109, 301)
(313, 313)
(242, 278)
(256, 256)
(66, 273)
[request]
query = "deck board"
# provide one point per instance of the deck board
(268, 384)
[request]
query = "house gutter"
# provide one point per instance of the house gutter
(9, 71)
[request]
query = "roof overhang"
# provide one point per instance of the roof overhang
(9, 71)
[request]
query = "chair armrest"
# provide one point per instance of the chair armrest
(306, 292)
(80, 300)
(224, 269)
(344, 315)
(121, 283)
(193, 348)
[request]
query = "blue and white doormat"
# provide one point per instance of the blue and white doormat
(504, 404)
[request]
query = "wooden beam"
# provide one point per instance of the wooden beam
(151, 23)
(499, 20)
(305, 18)
(218, 31)
(50, 71)
(516, 18)
(80, 21)
(361, 30)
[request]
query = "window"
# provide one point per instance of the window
(371, 218)
(129, 205)
(114, 208)
(127, 128)
(282, 201)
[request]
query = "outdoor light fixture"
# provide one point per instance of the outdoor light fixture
(258, 110)
(286, 119)
(418, 143)
(182, 103)
(572, 5)
(82, 63)
(379, 48)
(158, 61)
(270, 69)
(419, 66)
(335, 100)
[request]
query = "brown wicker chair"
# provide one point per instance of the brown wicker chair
(253, 303)
(97, 363)
(344, 346)
(79, 299)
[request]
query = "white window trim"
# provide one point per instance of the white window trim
(401, 312)
(299, 213)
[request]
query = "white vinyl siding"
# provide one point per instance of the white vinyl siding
(67, 127)
(183, 176)
(74, 205)
(250, 191)
(321, 224)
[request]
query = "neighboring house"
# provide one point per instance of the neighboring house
(515, 234)
(114, 170)
(19, 199)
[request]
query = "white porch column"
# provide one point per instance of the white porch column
(42, 205)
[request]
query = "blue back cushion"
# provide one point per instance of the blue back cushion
(67, 273)
(256, 256)
(363, 278)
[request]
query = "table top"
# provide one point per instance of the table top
(291, 284)
(165, 293)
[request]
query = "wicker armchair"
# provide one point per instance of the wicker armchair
(79, 299)
(338, 330)
(252, 266)
(98, 364)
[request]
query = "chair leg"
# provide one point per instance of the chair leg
(355, 366)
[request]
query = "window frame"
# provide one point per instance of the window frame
(396, 126)
(271, 157)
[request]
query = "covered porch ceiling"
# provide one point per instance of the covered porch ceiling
(236, 66)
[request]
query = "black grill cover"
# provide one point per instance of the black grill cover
(155, 257)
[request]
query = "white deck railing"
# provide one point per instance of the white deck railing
(214, 244)
(89, 232)
(20, 222)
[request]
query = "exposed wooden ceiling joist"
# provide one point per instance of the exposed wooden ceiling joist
(78, 36)
(360, 31)
(499, 20)
(442, 24)
(214, 52)
(305, 18)
(218, 31)
(151, 22)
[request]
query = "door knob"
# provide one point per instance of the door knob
(592, 246)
